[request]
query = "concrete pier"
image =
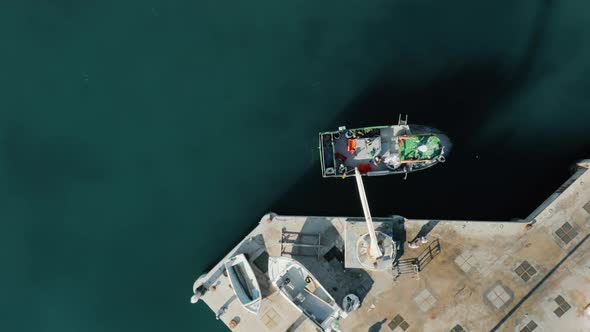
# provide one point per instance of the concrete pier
(469, 276)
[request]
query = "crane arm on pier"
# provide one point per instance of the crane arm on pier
(374, 250)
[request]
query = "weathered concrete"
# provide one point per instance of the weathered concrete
(471, 273)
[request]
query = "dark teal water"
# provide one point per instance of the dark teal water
(140, 140)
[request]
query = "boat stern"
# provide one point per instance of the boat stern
(327, 155)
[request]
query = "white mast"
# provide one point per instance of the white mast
(374, 250)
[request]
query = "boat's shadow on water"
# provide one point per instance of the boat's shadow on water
(479, 181)
(490, 179)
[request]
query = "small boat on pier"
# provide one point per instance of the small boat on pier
(305, 292)
(244, 283)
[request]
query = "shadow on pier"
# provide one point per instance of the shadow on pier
(425, 229)
(326, 262)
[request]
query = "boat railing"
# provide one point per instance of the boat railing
(326, 152)
(402, 122)
(377, 173)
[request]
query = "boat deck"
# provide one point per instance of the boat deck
(478, 275)
(368, 148)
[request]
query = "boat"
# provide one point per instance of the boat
(305, 292)
(244, 283)
(381, 150)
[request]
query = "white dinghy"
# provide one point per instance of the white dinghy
(244, 283)
(304, 291)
